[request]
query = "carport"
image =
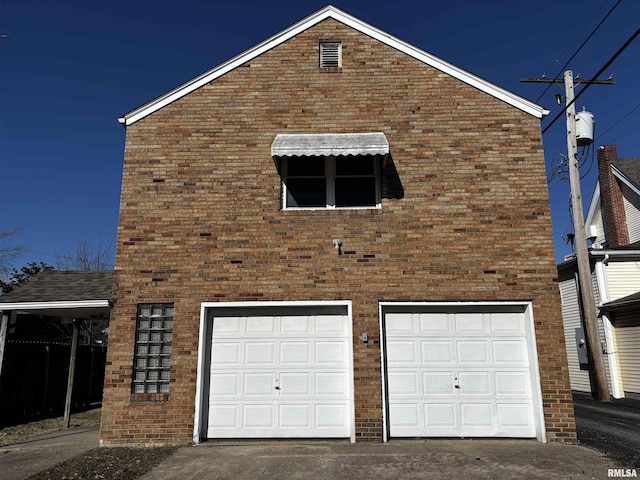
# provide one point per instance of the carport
(78, 295)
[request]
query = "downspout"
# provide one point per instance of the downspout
(617, 390)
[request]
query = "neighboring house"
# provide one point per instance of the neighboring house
(36, 342)
(613, 223)
(335, 234)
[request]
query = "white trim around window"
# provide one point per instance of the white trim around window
(331, 177)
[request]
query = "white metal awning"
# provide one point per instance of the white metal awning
(324, 144)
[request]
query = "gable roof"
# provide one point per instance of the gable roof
(627, 170)
(340, 16)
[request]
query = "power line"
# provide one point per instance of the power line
(578, 50)
(619, 120)
(593, 80)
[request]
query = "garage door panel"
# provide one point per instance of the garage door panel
(295, 384)
(261, 325)
(405, 414)
(437, 352)
(331, 353)
(471, 377)
(332, 325)
(331, 384)
(223, 416)
(400, 324)
(403, 383)
(469, 323)
(506, 324)
(226, 354)
(262, 354)
(512, 352)
(476, 415)
(258, 384)
(332, 416)
(435, 323)
(225, 384)
(401, 352)
(514, 415)
(294, 416)
(440, 415)
(258, 416)
(228, 326)
(475, 351)
(512, 383)
(475, 383)
(438, 383)
(296, 325)
(277, 376)
(295, 353)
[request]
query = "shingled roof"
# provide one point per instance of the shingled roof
(630, 167)
(79, 294)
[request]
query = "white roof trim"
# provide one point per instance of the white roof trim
(48, 305)
(324, 144)
(624, 179)
(595, 201)
(308, 22)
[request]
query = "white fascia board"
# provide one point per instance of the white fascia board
(595, 200)
(308, 22)
(626, 180)
(50, 305)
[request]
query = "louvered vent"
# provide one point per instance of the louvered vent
(330, 54)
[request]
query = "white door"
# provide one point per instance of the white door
(458, 375)
(280, 376)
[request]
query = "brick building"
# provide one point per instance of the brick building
(335, 234)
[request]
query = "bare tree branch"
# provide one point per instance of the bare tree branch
(8, 251)
(85, 256)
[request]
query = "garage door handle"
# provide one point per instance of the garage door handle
(457, 386)
(277, 388)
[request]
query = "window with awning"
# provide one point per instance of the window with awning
(330, 170)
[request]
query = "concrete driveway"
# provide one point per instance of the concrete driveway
(406, 459)
(23, 459)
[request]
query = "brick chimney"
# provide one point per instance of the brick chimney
(614, 217)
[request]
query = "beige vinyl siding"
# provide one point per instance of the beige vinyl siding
(623, 279)
(632, 212)
(571, 318)
(627, 329)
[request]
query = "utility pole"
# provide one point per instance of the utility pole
(600, 388)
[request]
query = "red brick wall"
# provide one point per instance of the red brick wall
(613, 212)
(201, 220)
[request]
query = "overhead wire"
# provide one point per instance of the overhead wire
(578, 50)
(604, 67)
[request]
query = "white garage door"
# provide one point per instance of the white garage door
(458, 375)
(280, 376)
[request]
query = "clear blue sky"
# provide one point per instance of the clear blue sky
(69, 69)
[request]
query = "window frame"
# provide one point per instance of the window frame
(330, 177)
(159, 334)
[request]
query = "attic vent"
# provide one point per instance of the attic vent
(330, 54)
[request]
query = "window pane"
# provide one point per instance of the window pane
(305, 166)
(306, 192)
(354, 166)
(355, 192)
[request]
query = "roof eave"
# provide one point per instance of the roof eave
(308, 22)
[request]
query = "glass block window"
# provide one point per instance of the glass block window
(152, 356)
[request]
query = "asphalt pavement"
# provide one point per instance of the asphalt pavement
(612, 427)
